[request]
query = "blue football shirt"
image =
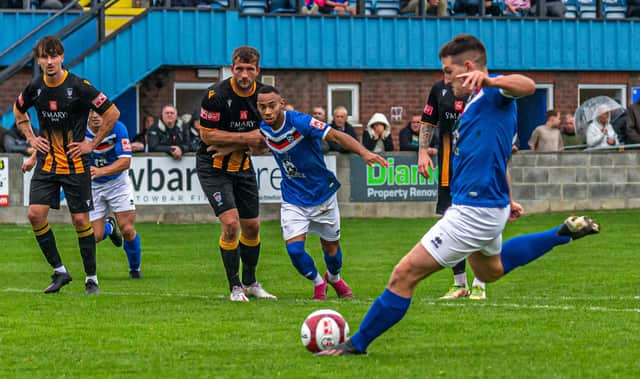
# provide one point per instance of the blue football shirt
(482, 148)
(297, 148)
(112, 147)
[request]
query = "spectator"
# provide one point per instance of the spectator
(600, 133)
(311, 6)
(15, 142)
(409, 135)
(11, 4)
(619, 124)
(169, 135)
(472, 8)
(432, 7)
(194, 131)
(139, 142)
(552, 8)
(377, 136)
(340, 123)
(336, 6)
(57, 4)
(633, 123)
(518, 8)
(569, 135)
(547, 137)
(633, 8)
(319, 114)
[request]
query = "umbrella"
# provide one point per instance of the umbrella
(593, 108)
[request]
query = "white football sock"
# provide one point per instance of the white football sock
(60, 270)
(460, 279)
(92, 277)
(334, 278)
(318, 280)
(478, 283)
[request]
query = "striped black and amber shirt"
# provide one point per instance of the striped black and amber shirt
(63, 109)
(442, 110)
(222, 108)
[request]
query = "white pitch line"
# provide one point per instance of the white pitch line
(457, 303)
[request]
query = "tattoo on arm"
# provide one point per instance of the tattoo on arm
(426, 133)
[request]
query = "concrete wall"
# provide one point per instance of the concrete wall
(541, 182)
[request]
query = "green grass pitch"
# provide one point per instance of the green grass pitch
(573, 313)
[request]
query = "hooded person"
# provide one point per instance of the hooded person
(600, 132)
(377, 136)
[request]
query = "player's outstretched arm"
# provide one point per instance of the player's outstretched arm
(514, 85)
(350, 143)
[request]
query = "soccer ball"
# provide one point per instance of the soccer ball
(323, 330)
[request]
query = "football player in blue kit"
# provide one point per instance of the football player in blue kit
(481, 198)
(111, 188)
(309, 189)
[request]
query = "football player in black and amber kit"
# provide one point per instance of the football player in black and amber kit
(62, 101)
(229, 121)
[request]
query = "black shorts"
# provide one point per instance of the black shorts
(229, 190)
(444, 200)
(45, 190)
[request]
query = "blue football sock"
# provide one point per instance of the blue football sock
(334, 264)
(301, 260)
(108, 229)
(384, 313)
(134, 252)
(521, 250)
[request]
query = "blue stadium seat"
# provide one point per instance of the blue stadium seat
(219, 4)
(572, 9)
(587, 8)
(369, 7)
(253, 6)
(387, 7)
(282, 6)
(615, 9)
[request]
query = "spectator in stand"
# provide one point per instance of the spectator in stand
(518, 8)
(319, 114)
(311, 6)
(139, 142)
(472, 8)
(11, 4)
(547, 137)
(552, 8)
(336, 6)
(569, 135)
(410, 134)
(15, 142)
(619, 124)
(433, 7)
(169, 135)
(633, 8)
(56, 4)
(377, 136)
(340, 123)
(633, 123)
(600, 133)
(194, 131)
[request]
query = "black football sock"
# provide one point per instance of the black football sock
(231, 262)
(47, 242)
(87, 243)
(249, 253)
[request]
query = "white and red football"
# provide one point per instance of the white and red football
(323, 330)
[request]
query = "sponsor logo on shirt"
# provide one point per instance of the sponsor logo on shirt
(458, 106)
(53, 105)
(428, 110)
(244, 115)
(99, 100)
(317, 124)
(209, 116)
(126, 145)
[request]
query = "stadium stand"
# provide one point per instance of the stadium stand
(572, 9)
(615, 9)
(387, 7)
(587, 8)
(253, 6)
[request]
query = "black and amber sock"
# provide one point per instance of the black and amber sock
(47, 242)
(249, 253)
(87, 243)
(231, 262)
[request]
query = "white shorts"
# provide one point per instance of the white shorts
(116, 194)
(323, 220)
(463, 230)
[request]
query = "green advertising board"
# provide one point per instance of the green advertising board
(398, 182)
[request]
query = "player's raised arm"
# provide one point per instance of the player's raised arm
(350, 143)
(514, 85)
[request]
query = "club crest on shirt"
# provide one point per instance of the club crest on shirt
(69, 92)
(444, 91)
(217, 197)
(317, 124)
